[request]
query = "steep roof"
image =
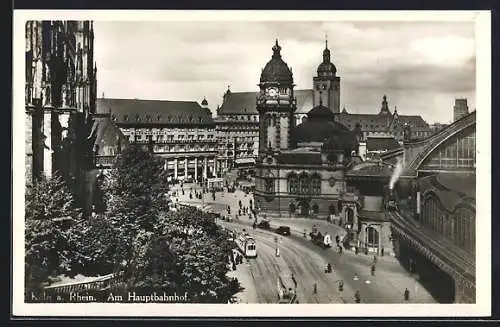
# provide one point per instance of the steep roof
(242, 103)
(134, 112)
(106, 136)
(417, 123)
(372, 122)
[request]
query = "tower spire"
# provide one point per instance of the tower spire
(276, 50)
(326, 40)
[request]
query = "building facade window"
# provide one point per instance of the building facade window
(316, 184)
(304, 183)
(293, 184)
(269, 184)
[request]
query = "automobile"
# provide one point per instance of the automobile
(283, 230)
(264, 224)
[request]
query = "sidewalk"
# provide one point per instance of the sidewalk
(244, 276)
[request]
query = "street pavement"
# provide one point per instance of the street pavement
(308, 261)
(306, 266)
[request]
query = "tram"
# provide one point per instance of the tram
(246, 245)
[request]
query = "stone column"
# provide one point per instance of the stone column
(47, 147)
(185, 167)
(380, 237)
(215, 166)
(176, 163)
(205, 167)
(196, 169)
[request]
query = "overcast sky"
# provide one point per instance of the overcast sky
(421, 67)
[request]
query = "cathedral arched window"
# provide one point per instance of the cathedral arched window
(316, 184)
(304, 183)
(293, 183)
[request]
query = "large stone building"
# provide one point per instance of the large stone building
(181, 132)
(437, 230)
(237, 126)
(300, 169)
(326, 89)
(59, 100)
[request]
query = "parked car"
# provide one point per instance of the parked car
(264, 224)
(283, 230)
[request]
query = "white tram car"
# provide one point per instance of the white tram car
(246, 244)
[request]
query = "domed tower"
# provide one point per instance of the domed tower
(327, 84)
(275, 104)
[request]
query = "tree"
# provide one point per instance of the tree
(163, 251)
(50, 213)
(135, 194)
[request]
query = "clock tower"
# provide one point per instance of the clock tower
(275, 104)
(327, 84)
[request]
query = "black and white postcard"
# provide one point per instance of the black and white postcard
(251, 163)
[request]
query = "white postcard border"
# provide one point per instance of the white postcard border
(483, 184)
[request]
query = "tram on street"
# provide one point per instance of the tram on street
(246, 244)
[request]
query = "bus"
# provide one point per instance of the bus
(246, 244)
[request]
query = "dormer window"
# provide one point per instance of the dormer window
(125, 117)
(190, 119)
(158, 117)
(148, 117)
(137, 117)
(169, 118)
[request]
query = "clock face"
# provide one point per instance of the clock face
(273, 92)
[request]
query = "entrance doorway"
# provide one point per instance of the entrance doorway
(304, 208)
(350, 217)
(373, 236)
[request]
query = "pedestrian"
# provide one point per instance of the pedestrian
(407, 294)
(356, 250)
(373, 270)
(315, 288)
(374, 259)
(357, 297)
(382, 252)
(341, 286)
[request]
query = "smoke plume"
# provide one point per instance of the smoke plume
(396, 173)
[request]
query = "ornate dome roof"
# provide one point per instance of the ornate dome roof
(320, 113)
(276, 70)
(321, 127)
(326, 67)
